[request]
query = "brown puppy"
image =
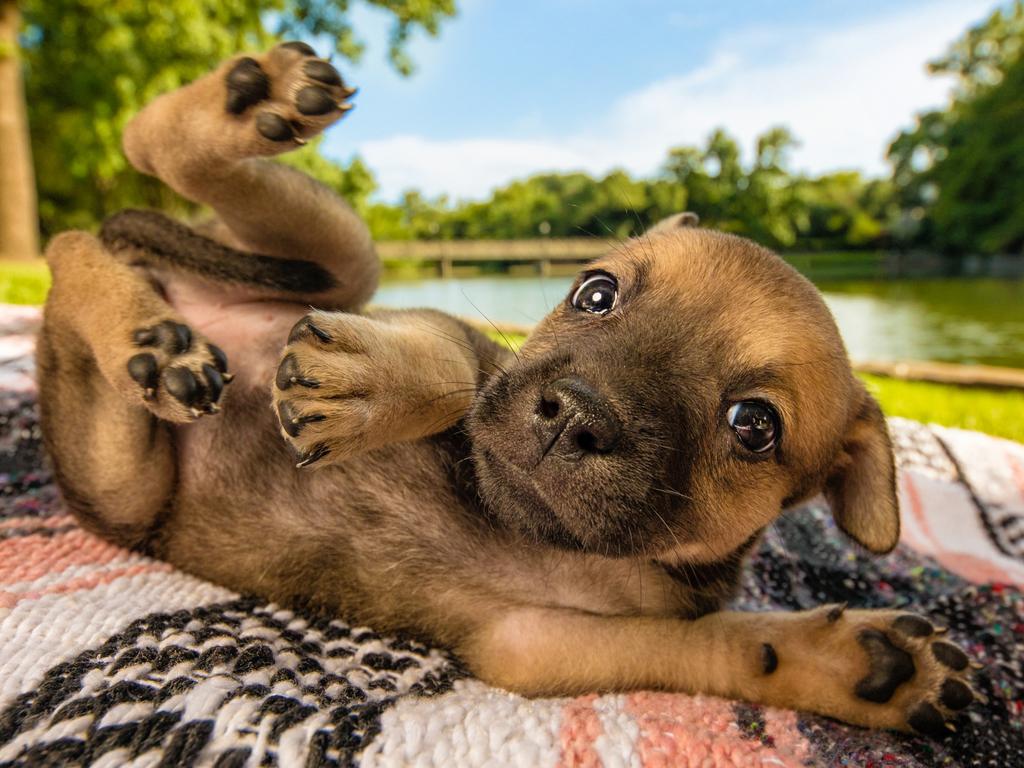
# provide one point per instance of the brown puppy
(567, 519)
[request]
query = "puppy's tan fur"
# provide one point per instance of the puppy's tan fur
(429, 507)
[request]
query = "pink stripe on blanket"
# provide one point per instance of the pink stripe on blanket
(10, 599)
(29, 557)
(581, 727)
(30, 523)
(1017, 470)
(698, 730)
(954, 536)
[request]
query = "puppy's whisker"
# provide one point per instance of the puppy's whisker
(498, 330)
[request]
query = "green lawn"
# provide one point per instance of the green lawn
(996, 412)
(24, 282)
(993, 411)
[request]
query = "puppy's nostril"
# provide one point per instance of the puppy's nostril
(549, 408)
(586, 441)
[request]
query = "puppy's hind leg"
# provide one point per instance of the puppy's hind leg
(114, 364)
(208, 141)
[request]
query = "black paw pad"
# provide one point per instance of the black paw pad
(926, 719)
(769, 659)
(182, 385)
(214, 382)
(322, 72)
(219, 358)
(949, 655)
(274, 127)
(174, 338)
(301, 47)
(247, 85)
(293, 424)
(286, 416)
(955, 694)
(314, 101)
(890, 667)
(288, 374)
(145, 372)
(304, 326)
(313, 456)
(913, 626)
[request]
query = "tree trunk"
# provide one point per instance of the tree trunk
(19, 222)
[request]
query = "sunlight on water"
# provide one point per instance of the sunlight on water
(968, 321)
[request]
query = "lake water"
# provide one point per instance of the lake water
(952, 320)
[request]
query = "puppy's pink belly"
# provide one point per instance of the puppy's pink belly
(251, 333)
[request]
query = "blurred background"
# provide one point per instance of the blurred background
(496, 145)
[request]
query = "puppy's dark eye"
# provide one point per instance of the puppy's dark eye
(755, 424)
(597, 294)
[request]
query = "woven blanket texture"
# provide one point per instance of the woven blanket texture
(109, 658)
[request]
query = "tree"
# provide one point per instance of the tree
(958, 172)
(91, 64)
(19, 228)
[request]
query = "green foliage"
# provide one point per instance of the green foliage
(763, 201)
(959, 173)
(92, 64)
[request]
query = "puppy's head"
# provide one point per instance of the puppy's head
(690, 387)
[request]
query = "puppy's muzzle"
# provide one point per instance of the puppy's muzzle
(573, 420)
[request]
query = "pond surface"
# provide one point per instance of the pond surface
(953, 320)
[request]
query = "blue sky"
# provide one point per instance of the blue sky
(514, 87)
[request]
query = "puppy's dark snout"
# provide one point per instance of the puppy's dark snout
(573, 420)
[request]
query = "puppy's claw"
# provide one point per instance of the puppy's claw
(321, 334)
(344, 107)
(227, 377)
(149, 394)
(300, 141)
(313, 456)
(196, 413)
(213, 408)
(976, 665)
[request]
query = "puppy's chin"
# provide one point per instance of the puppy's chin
(599, 504)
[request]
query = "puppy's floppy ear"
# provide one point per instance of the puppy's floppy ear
(861, 487)
(675, 221)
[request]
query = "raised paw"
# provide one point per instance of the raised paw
(881, 669)
(348, 384)
(285, 96)
(179, 375)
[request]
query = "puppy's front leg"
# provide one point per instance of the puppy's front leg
(348, 384)
(881, 669)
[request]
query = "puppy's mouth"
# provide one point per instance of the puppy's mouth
(568, 465)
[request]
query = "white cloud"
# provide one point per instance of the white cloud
(844, 92)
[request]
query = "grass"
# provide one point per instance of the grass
(995, 412)
(24, 282)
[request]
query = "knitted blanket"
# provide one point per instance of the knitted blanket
(110, 658)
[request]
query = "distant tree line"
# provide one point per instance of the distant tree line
(956, 186)
(957, 181)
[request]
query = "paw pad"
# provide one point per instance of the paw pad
(247, 85)
(191, 373)
(890, 667)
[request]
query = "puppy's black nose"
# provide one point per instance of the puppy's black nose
(573, 420)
